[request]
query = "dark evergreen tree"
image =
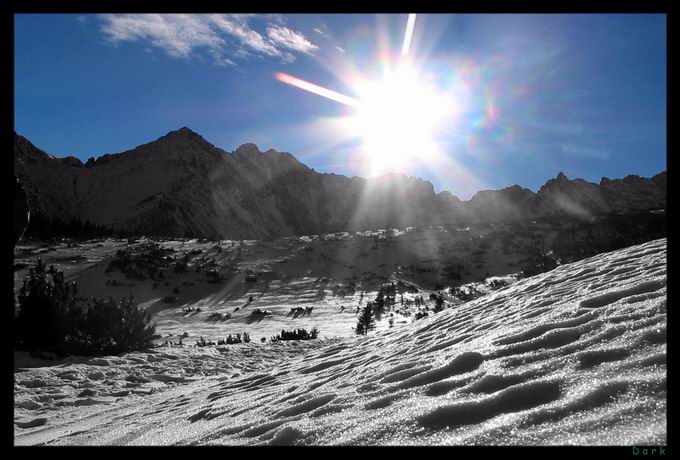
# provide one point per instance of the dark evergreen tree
(44, 228)
(439, 303)
(116, 327)
(52, 317)
(47, 310)
(21, 211)
(296, 334)
(366, 320)
(380, 301)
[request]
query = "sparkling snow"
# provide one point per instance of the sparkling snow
(576, 356)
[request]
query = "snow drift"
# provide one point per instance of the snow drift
(576, 355)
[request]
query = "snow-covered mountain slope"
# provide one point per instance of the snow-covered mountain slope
(576, 355)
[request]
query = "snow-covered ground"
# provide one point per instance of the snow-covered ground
(334, 273)
(576, 355)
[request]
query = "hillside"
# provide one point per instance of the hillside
(181, 185)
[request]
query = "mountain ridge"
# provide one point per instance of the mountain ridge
(182, 185)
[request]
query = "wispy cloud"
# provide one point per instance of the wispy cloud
(224, 36)
(341, 49)
(177, 34)
(276, 17)
(222, 61)
(588, 152)
(290, 39)
(237, 27)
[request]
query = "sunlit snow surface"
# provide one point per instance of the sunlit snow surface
(576, 355)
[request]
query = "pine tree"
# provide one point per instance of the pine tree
(439, 303)
(380, 300)
(47, 310)
(366, 321)
(52, 317)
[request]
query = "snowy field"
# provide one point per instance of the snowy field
(333, 274)
(576, 356)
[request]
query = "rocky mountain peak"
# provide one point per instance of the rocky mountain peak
(182, 144)
(182, 132)
(24, 150)
(183, 136)
(180, 184)
(185, 131)
(247, 149)
(447, 196)
(72, 162)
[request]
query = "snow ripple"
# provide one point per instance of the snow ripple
(576, 355)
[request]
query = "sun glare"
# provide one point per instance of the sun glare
(397, 119)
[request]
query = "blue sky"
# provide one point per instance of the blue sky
(533, 94)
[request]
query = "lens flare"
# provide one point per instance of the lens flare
(408, 35)
(398, 118)
(406, 108)
(316, 89)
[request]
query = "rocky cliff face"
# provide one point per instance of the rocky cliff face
(510, 203)
(635, 192)
(572, 197)
(182, 185)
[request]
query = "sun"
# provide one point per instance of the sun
(398, 118)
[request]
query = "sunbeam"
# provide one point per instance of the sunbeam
(397, 117)
(408, 35)
(316, 89)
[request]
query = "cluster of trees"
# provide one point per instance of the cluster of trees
(608, 233)
(143, 261)
(44, 228)
(229, 340)
(217, 316)
(421, 314)
(466, 292)
(385, 300)
(296, 334)
(539, 264)
(53, 318)
(577, 239)
(496, 284)
(438, 302)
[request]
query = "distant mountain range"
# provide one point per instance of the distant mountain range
(182, 185)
